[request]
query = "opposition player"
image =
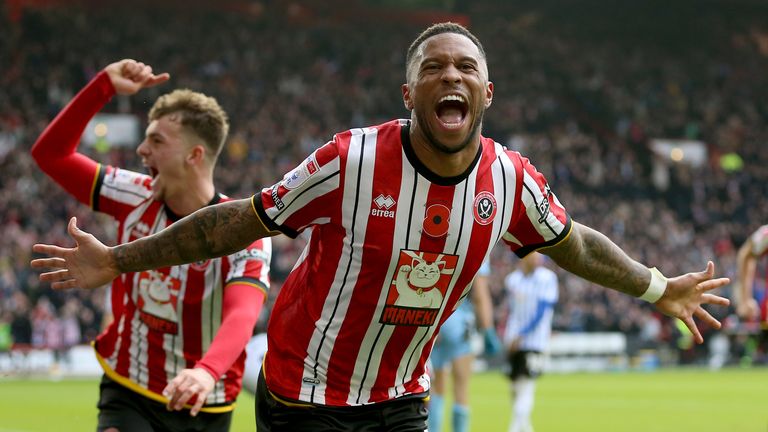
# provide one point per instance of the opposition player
(178, 335)
(531, 296)
(402, 215)
(453, 354)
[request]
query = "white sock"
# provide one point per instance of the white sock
(522, 395)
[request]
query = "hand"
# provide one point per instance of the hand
(129, 76)
(514, 346)
(748, 309)
(685, 294)
(190, 383)
(491, 342)
(89, 264)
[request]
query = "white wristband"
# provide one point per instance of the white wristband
(656, 288)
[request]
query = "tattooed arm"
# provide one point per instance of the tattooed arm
(210, 232)
(594, 257)
(591, 255)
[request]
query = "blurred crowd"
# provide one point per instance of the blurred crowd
(581, 94)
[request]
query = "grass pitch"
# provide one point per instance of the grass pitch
(672, 400)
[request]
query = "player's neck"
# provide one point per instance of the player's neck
(188, 197)
(442, 163)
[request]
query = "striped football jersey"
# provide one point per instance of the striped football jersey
(166, 319)
(393, 250)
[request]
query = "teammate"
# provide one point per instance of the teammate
(402, 215)
(747, 305)
(179, 332)
(532, 295)
(453, 352)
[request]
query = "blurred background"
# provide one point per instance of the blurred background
(650, 120)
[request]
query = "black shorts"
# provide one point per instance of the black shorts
(525, 364)
(406, 414)
(129, 411)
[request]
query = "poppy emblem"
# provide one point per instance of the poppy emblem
(436, 220)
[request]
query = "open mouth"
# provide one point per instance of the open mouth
(151, 170)
(451, 111)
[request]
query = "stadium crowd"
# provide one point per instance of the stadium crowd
(582, 105)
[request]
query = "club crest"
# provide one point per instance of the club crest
(485, 208)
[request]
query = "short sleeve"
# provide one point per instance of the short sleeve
(307, 195)
(539, 219)
(251, 265)
(118, 191)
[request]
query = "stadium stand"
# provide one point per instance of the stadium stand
(582, 90)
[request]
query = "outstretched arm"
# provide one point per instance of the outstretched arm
(746, 305)
(210, 232)
(591, 255)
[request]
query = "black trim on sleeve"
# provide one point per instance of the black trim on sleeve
(525, 250)
(96, 192)
(249, 280)
(269, 223)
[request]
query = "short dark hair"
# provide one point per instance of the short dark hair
(436, 29)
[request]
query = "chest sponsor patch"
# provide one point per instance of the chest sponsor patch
(418, 288)
(158, 301)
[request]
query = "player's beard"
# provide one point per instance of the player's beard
(476, 124)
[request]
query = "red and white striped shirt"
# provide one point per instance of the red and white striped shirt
(166, 319)
(392, 251)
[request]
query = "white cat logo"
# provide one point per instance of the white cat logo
(416, 283)
(418, 288)
(158, 295)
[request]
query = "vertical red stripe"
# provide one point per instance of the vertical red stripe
(156, 361)
(192, 319)
(378, 238)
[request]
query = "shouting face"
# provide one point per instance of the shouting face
(164, 153)
(448, 91)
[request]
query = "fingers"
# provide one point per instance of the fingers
(198, 404)
(55, 276)
(57, 263)
(157, 79)
(705, 316)
(715, 300)
(51, 250)
(712, 284)
(688, 321)
(67, 284)
(181, 390)
(141, 73)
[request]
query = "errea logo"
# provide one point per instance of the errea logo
(383, 205)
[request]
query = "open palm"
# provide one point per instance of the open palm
(87, 265)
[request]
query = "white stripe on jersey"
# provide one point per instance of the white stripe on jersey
(358, 194)
(533, 197)
(523, 295)
(119, 185)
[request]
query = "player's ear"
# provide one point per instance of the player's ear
(488, 94)
(407, 101)
(196, 155)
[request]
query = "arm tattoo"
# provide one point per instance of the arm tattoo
(210, 232)
(594, 257)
